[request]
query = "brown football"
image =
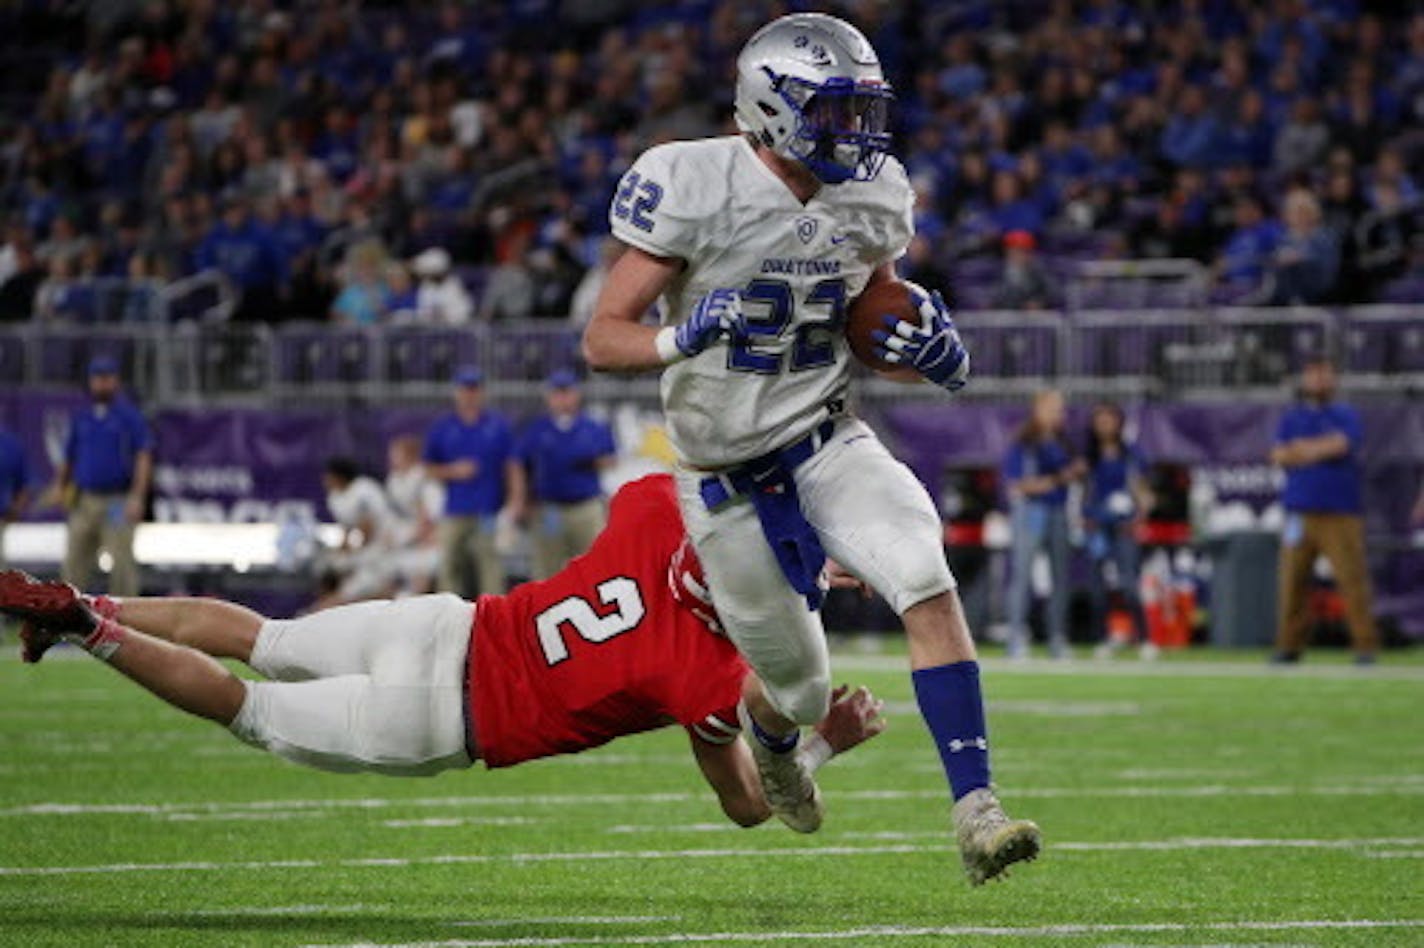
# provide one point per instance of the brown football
(867, 314)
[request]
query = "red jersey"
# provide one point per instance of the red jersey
(603, 648)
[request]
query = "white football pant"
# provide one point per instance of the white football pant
(374, 686)
(873, 517)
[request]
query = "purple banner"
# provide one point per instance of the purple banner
(245, 464)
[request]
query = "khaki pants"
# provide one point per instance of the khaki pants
(467, 546)
(1340, 538)
(97, 522)
(563, 531)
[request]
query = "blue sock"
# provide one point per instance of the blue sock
(953, 709)
(777, 745)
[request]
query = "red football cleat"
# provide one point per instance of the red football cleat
(49, 608)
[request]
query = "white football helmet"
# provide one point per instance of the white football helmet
(810, 88)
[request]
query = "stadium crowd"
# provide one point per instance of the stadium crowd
(317, 152)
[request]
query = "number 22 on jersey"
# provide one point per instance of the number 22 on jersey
(769, 306)
(620, 592)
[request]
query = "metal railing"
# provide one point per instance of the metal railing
(1181, 353)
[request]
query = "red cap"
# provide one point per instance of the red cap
(1019, 240)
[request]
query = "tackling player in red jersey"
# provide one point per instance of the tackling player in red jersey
(623, 640)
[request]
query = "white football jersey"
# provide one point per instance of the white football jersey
(716, 205)
(360, 503)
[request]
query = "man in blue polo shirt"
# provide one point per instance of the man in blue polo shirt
(108, 461)
(471, 450)
(14, 484)
(1318, 443)
(564, 451)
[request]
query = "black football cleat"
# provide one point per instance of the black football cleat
(35, 641)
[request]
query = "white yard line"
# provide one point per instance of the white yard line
(568, 920)
(217, 809)
(905, 931)
(442, 822)
(376, 862)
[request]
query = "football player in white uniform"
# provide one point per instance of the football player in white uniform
(755, 244)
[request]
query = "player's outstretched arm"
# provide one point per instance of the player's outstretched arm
(853, 719)
(615, 339)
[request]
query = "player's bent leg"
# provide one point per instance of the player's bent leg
(781, 639)
(183, 677)
(876, 519)
(764, 617)
(217, 628)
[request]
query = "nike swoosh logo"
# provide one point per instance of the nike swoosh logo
(838, 240)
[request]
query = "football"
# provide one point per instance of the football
(867, 314)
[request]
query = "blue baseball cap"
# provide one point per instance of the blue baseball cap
(561, 378)
(469, 376)
(103, 365)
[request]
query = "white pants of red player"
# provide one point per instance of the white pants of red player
(376, 686)
(873, 517)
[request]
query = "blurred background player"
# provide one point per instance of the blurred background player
(1037, 471)
(773, 473)
(14, 484)
(1115, 495)
(416, 503)
(471, 450)
(417, 686)
(362, 562)
(564, 451)
(1317, 443)
(105, 475)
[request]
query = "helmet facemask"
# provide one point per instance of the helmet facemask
(841, 131)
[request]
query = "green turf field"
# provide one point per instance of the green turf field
(1184, 803)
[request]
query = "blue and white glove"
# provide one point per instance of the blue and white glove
(932, 348)
(717, 314)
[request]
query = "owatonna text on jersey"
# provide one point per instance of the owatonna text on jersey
(715, 204)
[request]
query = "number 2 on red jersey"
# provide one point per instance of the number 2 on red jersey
(620, 592)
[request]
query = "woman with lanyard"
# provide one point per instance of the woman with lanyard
(1038, 469)
(1115, 494)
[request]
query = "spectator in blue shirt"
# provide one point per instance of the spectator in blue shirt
(471, 450)
(1191, 135)
(108, 464)
(1242, 266)
(1318, 443)
(1037, 471)
(14, 484)
(1307, 259)
(564, 450)
(1114, 497)
(245, 252)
